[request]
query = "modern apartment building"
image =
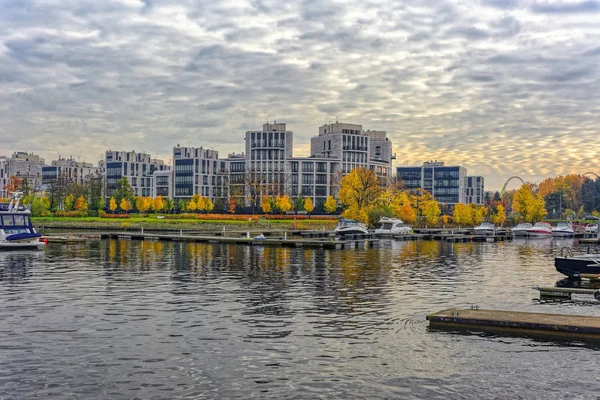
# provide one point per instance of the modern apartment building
(199, 171)
(68, 168)
(266, 168)
(445, 183)
(475, 190)
(138, 168)
(26, 166)
(3, 177)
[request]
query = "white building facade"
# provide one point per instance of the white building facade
(138, 168)
(68, 168)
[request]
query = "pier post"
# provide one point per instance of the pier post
(284, 235)
(142, 230)
(181, 232)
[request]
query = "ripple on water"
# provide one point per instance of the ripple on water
(123, 319)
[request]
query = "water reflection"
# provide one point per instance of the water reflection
(179, 319)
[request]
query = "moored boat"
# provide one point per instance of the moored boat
(486, 228)
(540, 229)
(521, 229)
(574, 266)
(350, 227)
(563, 229)
(16, 229)
(393, 226)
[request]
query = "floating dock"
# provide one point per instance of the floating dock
(279, 242)
(526, 323)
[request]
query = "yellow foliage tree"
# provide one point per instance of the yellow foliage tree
(308, 205)
(265, 204)
(208, 205)
(158, 203)
(283, 203)
(201, 203)
(69, 202)
(500, 215)
(113, 204)
(81, 204)
(141, 204)
(148, 203)
(231, 208)
(192, 205)
(330, 205)
(357, 214)
(431, 211)
(407, 213)
(532, 208)
(463, 214)
(359, 192)
(125, 205)
(478, 213)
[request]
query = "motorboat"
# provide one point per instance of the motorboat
(540, 229)
(574, 266)
(486, 228)
(591, 229)
(521, 229)
(393, 226)
(16, 229)
(563, 229)
(350, 227)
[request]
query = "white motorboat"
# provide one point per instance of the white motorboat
(350, 227)
(486, 228)
(521, 229)
(540, 229)
(591, 229)
(393, 226)
(563, 229)
(16, 230)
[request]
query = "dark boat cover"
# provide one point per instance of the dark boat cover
(23, 236)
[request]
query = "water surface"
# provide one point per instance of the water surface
(122, 319)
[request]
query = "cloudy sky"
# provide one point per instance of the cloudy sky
(505, 87)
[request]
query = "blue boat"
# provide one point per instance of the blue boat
(16, 229)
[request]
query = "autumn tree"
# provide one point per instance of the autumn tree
(478, 213)
(500, 216)
(231, 208)
(462, 214)
(13, 184)
(330, 205)
(141, 204)
(69, 202)
(81, 204)
(113, 204)
(208, 205)
(124, 190)
(359, 192)
(265, 205)
(284, 204)
(430, 209)
(158, 203)
(125, 205)
(308, 205)
(532, 208)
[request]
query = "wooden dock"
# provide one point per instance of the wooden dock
(326, 243)
(498, 321)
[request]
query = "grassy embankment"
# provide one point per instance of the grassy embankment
(135, 223)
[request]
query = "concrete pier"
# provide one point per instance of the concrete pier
(526, 323)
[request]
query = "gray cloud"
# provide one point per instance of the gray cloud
(502, 92)
(566, 7)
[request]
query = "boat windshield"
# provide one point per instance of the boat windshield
(386, 226)
(14, 223)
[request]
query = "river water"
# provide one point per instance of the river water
(125, 319)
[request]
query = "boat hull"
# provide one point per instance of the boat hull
(7, 246)
(485, 232)
(521, 233)
(351, 231)
(562, 233)
(574, 267)
(539, 234)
